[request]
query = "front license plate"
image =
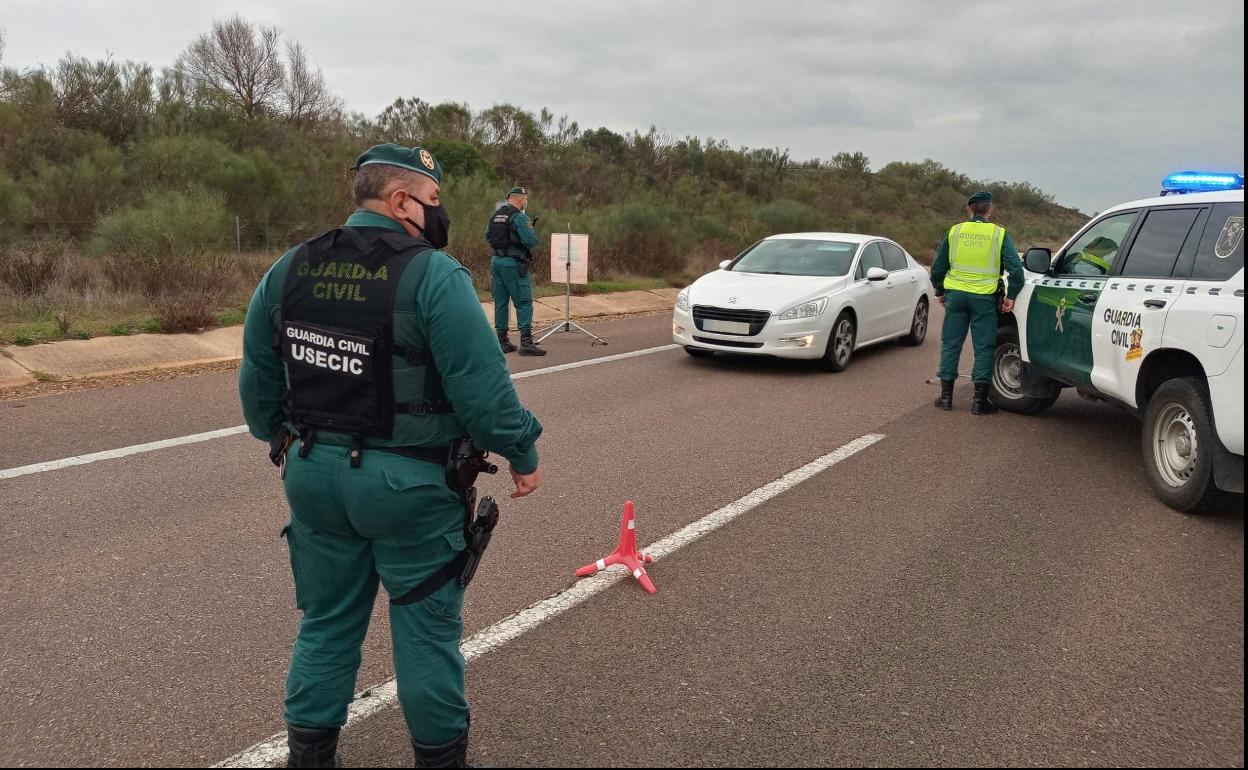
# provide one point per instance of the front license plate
(726, 327)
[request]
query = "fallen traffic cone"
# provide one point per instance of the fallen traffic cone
(626, 553)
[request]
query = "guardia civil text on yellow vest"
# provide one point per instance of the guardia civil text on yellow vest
(975, 257)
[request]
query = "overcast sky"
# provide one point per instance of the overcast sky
(1094, 102)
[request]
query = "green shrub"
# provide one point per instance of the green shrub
(788, 216)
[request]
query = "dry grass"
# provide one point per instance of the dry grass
(50, 292)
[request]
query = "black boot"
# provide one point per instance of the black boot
(505, 343)
(453, 754)
(982, 404)
(313, 747)
(946, 396)
(527, 346)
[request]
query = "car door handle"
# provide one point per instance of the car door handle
(1089, 297)
(1156, 304)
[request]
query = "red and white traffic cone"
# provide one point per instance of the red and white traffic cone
(626, 553)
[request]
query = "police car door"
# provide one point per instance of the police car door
(1131, 315)
(1062, 304)
(1207, 320)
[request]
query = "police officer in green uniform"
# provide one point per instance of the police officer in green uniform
(967, 276)
(512, 237)
(367, 346)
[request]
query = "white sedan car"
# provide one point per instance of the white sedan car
(806, 295)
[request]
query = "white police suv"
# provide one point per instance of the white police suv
(1145, 307)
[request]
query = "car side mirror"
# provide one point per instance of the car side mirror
(724, 265)
(1038, 260)
(877, 274)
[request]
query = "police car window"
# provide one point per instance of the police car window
(790, 256)
(894, 257)
(1221, 251)
(1095, 251)
(1161, 238)
(871, 257)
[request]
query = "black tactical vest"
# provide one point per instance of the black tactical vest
(337, 333)
(502, 235)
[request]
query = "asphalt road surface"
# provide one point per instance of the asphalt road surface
(961, 591)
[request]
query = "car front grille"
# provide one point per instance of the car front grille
(757, 319)
(727, 343)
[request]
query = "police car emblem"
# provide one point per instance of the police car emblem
(1061, 314)
(1137, 345)
(426, 159)
(732, 300)
(1228, 240)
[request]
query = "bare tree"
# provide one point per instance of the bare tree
(308, 100)
(241, 63)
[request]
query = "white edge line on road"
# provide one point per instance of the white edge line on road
(272, 752)
(112, 454)
(592, 362)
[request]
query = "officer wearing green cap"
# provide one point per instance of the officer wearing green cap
(512, 237)
(366, 364)
(967, 276)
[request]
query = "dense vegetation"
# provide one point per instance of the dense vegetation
(131, 197)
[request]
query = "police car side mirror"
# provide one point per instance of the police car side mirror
(1038, 260)
(724, 265)
(877, 274)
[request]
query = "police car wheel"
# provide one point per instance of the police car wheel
(699, 352)
(1007, 383)
(840, 344)
(1178, 444)
(918, 325)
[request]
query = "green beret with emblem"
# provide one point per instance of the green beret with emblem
(980, 197)
(517, 191)
(416, 159)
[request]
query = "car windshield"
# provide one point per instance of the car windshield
(791, 256)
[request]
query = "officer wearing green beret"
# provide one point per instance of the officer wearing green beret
(512, 237)
(967, 277)
(365, 360)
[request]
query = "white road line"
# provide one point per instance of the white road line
(593, 362)
(112, 454)
(273, 753)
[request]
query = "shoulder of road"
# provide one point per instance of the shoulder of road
(105, 356)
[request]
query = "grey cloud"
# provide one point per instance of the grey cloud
(1093, 102)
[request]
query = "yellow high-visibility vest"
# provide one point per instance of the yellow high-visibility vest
(975, 257)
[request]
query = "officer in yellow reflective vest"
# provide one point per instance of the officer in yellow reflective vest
(966, 274)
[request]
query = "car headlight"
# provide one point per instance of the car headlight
(682, 300)
(805, 310)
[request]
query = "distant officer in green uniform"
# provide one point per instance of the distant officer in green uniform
(368, 346)
(512, 237)
(967, 276)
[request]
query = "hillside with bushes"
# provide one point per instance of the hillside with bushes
(133, 198)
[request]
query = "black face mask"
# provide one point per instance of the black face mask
(437, 229)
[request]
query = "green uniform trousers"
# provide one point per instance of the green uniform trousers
(392, 520)
(977, 313)
(508, 285)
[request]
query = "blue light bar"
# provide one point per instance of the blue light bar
(1202, 181)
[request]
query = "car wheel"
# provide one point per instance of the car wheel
(918, 325)
(840, 344)
(699, 352)
(1007, 381)
(1178, 445)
